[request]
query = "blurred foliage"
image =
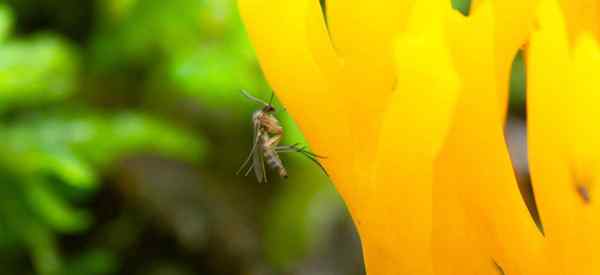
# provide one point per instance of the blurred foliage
(6, 21)
(302, 231)
(198, 48)
(36, 71)
(122, 126)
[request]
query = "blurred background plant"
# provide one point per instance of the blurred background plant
(122, 126)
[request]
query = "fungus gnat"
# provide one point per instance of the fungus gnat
(265, 146)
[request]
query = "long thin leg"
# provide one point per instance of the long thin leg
(273, 141)
(252, 152)
(255, 141)
(297, 148)
(264, 169)
(249, 170)
(258, 165)
(302, 150)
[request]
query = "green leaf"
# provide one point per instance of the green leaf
(70, 169)
(72, 145)
(216, 75)
(36, 71)
(6, 21)
(54, 210)
(44, 249)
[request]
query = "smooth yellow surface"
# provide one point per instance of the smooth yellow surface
(475, 161)
(288, 43)
(363, 33)
(413, 130)
(581, 16)
(382, 163)
(407, 100)
(513, 22)
(564, 141)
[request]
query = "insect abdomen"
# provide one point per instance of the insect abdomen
(274, 162)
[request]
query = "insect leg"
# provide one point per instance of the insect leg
(252, 152)
(297, 148)
(302, 150)
(258, 166)
(255, 141)
(249, 170)
(272, 142)
(313, 159)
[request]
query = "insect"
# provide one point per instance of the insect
(265, 146)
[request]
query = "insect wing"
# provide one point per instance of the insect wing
(258, 162)
(257, 154)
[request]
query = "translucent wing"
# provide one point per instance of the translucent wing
(256, 155)
(259, 166)
(258, 162)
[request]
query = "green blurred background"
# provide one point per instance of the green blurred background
(121, 128)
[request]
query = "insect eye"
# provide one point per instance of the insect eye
(269, 108)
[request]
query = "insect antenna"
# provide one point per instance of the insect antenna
(249, 96)
(271, 99)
